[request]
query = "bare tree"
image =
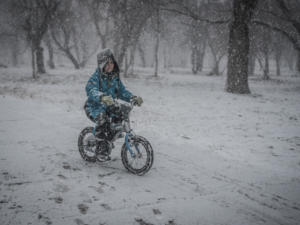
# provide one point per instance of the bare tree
(129, 18)
(141, 53)
(217, 41)
(200, 14)
(285, 20)
(68, 32)
(34, 16)
(252, 52)
(98, 11)
(262, 43)
(198, 41)
(48, 42)
(9, 38)
(289, 55)
(157, 34)
(61, 31)
(278, 46)
(268, 45)
(12, 42)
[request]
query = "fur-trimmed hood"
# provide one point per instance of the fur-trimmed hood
(103, 57)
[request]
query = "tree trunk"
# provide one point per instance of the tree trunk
(216, 67)
(131, 61)
(266, 67)
(126, 64)
(251, 66)
(237, 73)
(123, 52)
(33, 62)
(75, 45)
(156, 56)
(40, 60)
(197, 59)
(156, 48)
(15, 60)
(85, 53)
(39, 55)
(298, 61)
(277, 59)
(194, 61)
(104, 41)
(15, 51)
(238, 51)
(50, 52)
(215, 70)
(200, 57)
(73, 59)
(142, 55)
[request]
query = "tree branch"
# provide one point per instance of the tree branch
(287, 13)
(293, 40)
(196, 17)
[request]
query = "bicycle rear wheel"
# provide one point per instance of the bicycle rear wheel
(87, 144)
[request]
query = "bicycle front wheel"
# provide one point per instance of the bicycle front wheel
(142, 159)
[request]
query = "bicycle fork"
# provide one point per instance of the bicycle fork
(133, 155)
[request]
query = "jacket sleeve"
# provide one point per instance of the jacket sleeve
(124, 94)
(92, 88)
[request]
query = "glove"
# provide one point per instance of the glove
(107, 100)
(137, 100)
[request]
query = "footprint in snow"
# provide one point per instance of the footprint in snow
(42, 169)
(61, 154)
(58, 199)
(97, 189)
(106, 174)
(156, 211)
(157, 214)
(80, 222)
(106, 206)
(171, 222)
(62, 176)
(45, 219)
(15, 206)
(8, 176)
(66, 166)
(140, 221)
(61, 188)
(83, 208)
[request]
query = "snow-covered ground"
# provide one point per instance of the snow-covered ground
(219, 158)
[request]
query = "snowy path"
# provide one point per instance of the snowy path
(224, 171)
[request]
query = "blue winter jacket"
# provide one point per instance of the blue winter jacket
(113, 87)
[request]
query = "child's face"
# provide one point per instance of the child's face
(109, 66)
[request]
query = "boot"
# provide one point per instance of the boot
(100, 124)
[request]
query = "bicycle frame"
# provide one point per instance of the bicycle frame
(125, 127)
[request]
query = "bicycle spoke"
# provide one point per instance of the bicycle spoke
(140, 159)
